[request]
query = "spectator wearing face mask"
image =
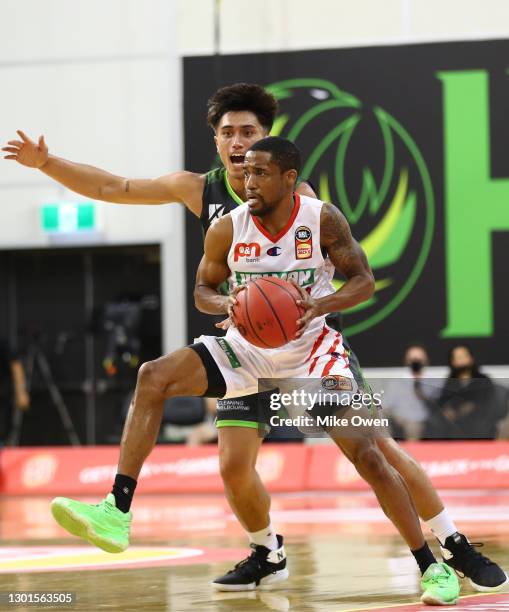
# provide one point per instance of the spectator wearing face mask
(470, 405)
(407, 400)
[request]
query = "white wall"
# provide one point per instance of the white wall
(279, 25)
(100, 78)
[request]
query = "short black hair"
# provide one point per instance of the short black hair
(475, 371)
(283, 152)
(242, 97)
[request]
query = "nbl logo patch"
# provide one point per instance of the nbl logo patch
(303, 243)
(337, 383)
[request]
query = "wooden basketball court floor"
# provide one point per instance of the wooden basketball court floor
(343, 555)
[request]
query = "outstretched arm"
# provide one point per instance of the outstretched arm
(213, 269)
(183, 187)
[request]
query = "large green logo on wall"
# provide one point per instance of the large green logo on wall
(410, 143)
(477, 205)
(364, 161)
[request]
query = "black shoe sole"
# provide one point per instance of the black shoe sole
(269, 582)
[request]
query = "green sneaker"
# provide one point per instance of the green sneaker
(103, 525)
(440, 585)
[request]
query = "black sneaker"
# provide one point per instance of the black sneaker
(485, 575)
(263, 568)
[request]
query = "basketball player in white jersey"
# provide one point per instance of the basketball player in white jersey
(229, 367)
(240, 114)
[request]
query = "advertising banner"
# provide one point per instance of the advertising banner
(282, 467)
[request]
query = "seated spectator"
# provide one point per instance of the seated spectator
(13, 393)
(470, 405)
(407, 400)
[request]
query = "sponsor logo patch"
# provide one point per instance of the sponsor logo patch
(303, 243)
(304, 278)
(337, 383)
(251, 252)
(232, 404)
(230, 353)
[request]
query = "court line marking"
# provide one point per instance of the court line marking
(417, 603)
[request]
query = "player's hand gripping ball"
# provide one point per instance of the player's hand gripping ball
(266, 312)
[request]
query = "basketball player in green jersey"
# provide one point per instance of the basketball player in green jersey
(240, 115)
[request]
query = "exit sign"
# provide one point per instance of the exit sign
(68, 217)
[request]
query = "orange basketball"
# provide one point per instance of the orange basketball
(266, 312)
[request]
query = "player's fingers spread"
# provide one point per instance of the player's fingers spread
(23, 136)
(16, 143)
(10, 149)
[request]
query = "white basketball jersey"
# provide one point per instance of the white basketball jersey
(294, 253)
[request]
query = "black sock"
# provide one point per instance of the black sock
(424, 557)
(123, 491)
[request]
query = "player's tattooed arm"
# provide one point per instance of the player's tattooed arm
(213, 269)
(348, 258)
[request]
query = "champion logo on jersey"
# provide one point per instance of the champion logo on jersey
(274, 251)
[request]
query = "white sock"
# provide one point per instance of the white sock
(265, 537)
(442, 526)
